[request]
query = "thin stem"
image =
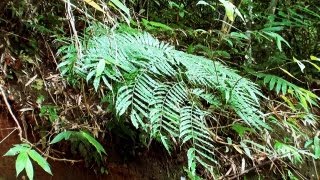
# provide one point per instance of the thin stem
(4, 97)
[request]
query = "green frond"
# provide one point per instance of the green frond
(164, 110)
(193, 129)
(135, 98)
(162, 90)
(305, 97)
(207, 96)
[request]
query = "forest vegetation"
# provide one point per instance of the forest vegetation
(233, 85)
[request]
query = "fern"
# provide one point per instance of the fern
(160, 89)
(306, 98)
(194, 129)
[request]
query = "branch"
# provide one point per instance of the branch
(4, 97)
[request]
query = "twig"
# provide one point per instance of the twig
(11, 113)
(56, 159)
(8, 135)
(20, 132)
(250, 169)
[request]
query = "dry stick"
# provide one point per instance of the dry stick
(8, 135)
(250, 169)
(260, 165)
(57, 159)
(11, 113)
(315, 168)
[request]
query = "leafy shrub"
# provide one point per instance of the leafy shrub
(25, 152)
(170, 94)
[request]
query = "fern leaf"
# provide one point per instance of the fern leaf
(306, 98)
(165, 115)
(193, 129)
(159, 88)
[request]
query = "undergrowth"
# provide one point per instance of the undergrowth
(184, 100)
(227, 123)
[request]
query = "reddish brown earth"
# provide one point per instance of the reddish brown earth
(146, 166)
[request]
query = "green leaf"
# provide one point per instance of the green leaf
(155, 83)
(40, 160)
(21, 162)
(29, 168)
(241, 130)
(100, 67)
(300, 64)
(135, 119)
(239, 35)
(157, 25)
(314, 65)
(165, 142)
(231, 10)
(274, 29)
(246, 149)
(316, 143)
(202, 3)
(191, 160)
(94, 5)
(278, 87)
(122, 7)
(278, 39)
(13, 151)
(17, 149)
(272, 83)
(63, 135)
(93, 142)
(105, 81)
(96, 82)
(314, 58)
(90, 75)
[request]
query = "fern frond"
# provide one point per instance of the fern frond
(159, 88)
(238, 92)
(164, 109)
(193, 129)
(305, 97)
(137, 96)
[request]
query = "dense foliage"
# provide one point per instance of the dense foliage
(233, 84)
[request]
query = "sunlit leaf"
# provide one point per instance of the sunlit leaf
(100, 67)
(17, 149)
(121, 6)
(314, 65)
(21, 162)
(96, 83)
(314, 58)
(300, 64)
(165, 143)
(202, 3)
(231, 10)
(29, 168)
(191, 159)
(287, 72)
(40, 160)
(94, 5)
